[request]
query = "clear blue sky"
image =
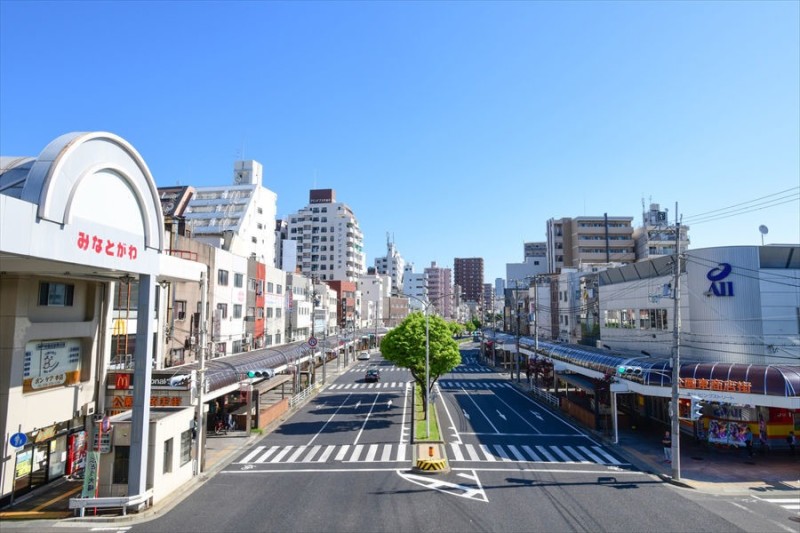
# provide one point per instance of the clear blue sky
(459, 128)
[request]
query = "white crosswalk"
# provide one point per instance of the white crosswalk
(394, 453)
(790, 503)
(462, 369)
(453, 384)
(379, 385)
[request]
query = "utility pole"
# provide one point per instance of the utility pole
(201, 375)
(676, 354)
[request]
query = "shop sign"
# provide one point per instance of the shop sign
(102, 441)
(715, 276)
(171, 381)
(103, 246)
(121, 402)
(721, 385)
(76, 452)
(49, 364)
(23, 467)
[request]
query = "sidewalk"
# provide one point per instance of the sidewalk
(702, 467)
(51, 502)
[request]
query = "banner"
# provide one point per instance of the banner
(90, 475)
(730, 433)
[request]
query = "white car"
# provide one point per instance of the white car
(363, 356)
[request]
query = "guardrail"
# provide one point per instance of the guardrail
(549, 397)
(302, 396)
(112, 502)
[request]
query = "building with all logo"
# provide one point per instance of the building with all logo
(330, 245)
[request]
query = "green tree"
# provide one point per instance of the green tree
(405, 347)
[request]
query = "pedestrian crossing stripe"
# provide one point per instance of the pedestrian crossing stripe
(791, 504)
(394, 453)
(457, 370)
(450, 384)
(384, 385)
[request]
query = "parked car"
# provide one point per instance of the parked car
(363, 356)
(372, 375)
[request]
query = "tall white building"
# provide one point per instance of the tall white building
(330, 245)
(392, 264)
(655, 237)
(239, 218)
(415, 287)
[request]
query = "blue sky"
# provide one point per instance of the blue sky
(459, 128)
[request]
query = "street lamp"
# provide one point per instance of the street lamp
(425, 305)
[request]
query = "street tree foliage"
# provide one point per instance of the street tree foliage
(405, 347)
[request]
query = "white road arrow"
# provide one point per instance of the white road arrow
(466, 415)
(537, 415)
(501, 415)
(474, 492)
(358, 404)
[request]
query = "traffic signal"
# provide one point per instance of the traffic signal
(261, 373)
(627, 371)
(696, 409)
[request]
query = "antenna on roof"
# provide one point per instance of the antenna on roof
(764, 230)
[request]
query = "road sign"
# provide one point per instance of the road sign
(18, 440)
(312, 341)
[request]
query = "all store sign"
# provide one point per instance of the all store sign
(718, 286)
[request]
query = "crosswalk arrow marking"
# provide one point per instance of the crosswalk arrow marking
(466, 415)
(501, 415)
(537, 415)
(454, 489)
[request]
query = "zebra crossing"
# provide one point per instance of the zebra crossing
(394, 368)
(452, 384)
(401, 453)
(379, 385)
(790, 503)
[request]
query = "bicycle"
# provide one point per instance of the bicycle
(220, 429)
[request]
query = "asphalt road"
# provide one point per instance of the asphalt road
(342, 464)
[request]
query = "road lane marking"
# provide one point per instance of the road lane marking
(249, 457)
(342, 452)
(281, 454)
(546, 454)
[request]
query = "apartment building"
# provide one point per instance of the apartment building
(603, 239)
(655, 237)
(440, 289)
(239, 218)
(468, 273)
(392, 264)
(330, 245)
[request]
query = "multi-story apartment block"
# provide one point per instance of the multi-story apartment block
(440, 289)
(375, 290)
(415, 288)
(604, 239)
(238, 218)
(468, 273)
(536, 250)
(655, 237)
(393, 265)
(330, 244)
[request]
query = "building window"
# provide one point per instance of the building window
(270, 287)
(269, 312)
(238, 280)
(279, 289)
(260, 312)
(222, 277)
(121, 459)
(223, 310)
(253, 240)
(237, 311)
(168, 456)
(186, 446)
(56, 294)
(278, 312)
